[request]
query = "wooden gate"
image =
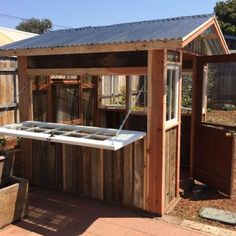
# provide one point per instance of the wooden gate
(213, 159)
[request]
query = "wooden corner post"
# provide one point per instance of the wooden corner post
(157, 63)
(26, 113)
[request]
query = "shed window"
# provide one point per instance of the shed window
(87, 136)
(113, 91)
(138, 92)
(172, 94)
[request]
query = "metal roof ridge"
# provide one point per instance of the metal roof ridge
(136, 22)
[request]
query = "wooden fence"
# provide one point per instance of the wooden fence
(223, 83)
(8, 91)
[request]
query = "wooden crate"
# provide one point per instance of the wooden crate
(13, 201)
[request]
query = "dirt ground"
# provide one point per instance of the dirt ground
(222, 117)
(199, 196)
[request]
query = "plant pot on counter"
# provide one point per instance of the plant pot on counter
(13, 200)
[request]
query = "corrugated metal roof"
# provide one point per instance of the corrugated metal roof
(145, 31)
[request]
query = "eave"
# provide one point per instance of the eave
(118, 47)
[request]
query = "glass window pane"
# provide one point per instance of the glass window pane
(138, 92)
(219, 93)
(172, 93)
(113, 91)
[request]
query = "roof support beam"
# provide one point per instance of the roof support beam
(118, 47)
(90, 71)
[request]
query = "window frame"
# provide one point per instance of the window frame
(173, 121)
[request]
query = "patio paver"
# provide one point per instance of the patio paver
(56, 213)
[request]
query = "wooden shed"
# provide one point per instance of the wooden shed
(126, 72)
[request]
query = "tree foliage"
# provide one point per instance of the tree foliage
(34, 25)
(226, 14)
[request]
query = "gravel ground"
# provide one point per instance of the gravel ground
(199, 196)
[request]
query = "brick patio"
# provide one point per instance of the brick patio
(55, 213)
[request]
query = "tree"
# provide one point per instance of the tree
(34, 25)
(226, 14)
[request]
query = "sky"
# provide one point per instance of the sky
(78, 13)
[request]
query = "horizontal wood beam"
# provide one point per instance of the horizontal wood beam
(118, 47)
(90, 71)
(89, 60)
(217, 58)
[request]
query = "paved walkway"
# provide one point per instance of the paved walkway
(54, 213)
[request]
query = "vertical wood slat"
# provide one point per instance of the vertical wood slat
(177, 170)
(86, 172)
(117, 176)
(138, 173)
(173, 162)
(197, 86)
(26, 113)
(128, 175)
(157, 62)
(107, 173)
(95, 172)
(233, 171)
(167, 170)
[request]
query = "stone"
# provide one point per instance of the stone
(218, 214)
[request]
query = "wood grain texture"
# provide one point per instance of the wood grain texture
(26, 113)
(157, 62)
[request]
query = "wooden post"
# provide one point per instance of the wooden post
(157, 62)
(26, 113)
(179, 127)
(49, 99)
(25, 92)
(197, 87)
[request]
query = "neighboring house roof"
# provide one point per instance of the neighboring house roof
(145, 31)
(231, 37)
(10, 35)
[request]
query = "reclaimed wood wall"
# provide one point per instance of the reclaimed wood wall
(171, 142)
(101, 174)
(214, 157)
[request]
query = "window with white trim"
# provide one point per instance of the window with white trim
(172, 94)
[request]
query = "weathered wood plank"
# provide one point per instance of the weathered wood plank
(167, 169)
(156, 112)
(108, 179)
(128, 175)
(118, 47)
(86, 172)
(138, 173)
(117, 176)
(25, 106)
